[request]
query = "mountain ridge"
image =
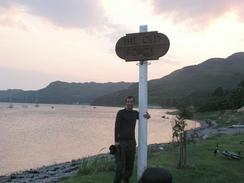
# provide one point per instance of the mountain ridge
(204, 77)
(59, 92)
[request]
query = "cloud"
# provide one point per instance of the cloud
(65, 13)
(197, 12)
(9, 17)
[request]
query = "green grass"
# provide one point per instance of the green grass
(203, 166)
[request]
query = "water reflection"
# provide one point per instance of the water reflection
(35, 136)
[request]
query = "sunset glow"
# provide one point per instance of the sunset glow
(39, 45)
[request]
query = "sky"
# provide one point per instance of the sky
(74, 40)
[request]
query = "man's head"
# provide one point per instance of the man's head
(129, 102)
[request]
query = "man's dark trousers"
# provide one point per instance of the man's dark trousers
(124, 159)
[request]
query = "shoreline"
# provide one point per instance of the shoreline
(55, 172)
(48, 173)
(209, 128)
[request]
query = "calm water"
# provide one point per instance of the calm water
(34, 136)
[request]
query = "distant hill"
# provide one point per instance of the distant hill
(63, 93)
(203, 78)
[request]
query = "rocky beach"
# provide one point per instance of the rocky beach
(51, 173)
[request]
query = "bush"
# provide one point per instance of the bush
(97, 164)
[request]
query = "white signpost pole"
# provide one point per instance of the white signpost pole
(142, 126)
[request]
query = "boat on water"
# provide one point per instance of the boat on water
(10, 106)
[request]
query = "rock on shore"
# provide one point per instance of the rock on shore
(47, 174)
(210, 128)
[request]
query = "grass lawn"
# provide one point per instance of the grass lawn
(203, 166)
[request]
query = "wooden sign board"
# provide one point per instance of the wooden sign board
(142, 46)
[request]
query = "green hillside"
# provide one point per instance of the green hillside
(196, 80)
(203, 78)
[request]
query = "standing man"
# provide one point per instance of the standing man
(125, 140)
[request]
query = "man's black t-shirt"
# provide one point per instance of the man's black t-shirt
(125, 125)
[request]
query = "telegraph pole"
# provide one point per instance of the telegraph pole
(141, 47)
(143, 104)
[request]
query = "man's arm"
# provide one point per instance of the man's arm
(146, 115)
(117, 124)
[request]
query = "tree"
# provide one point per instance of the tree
(179, 134)
(236, 96)
(241, 84)
(218, 92)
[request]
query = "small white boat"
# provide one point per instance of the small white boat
(11, 106)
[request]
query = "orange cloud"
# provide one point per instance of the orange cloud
(197, 12)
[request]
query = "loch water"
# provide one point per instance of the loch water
(35, 135)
